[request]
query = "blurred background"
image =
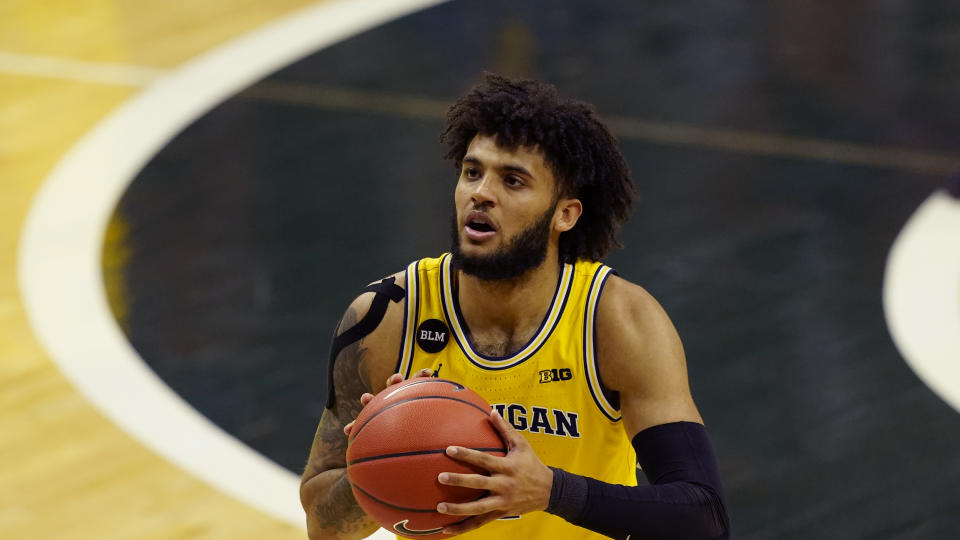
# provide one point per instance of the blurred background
(778, 147)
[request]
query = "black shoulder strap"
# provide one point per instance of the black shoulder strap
(385, 291)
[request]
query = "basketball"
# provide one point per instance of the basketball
(397, 449)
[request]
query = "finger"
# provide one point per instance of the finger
(473, 523)
(510, 435)
(475, 481)
(473, 457)
(347, 429)
(473, 508)
(365, 399)
(394, 379)
(425, 372)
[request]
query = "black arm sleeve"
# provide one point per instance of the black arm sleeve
(683, 501)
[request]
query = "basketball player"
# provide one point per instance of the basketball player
(584, 370)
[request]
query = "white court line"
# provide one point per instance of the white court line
(60, 275)
(59, 264)
(921, 295)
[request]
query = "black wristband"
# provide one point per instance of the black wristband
(568, 496)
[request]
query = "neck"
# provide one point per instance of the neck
(508, 311)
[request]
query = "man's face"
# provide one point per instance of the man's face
(505, 203)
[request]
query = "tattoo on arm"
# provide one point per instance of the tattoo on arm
(347, 376)
(338, 510)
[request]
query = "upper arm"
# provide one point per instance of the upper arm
(361, 366)
(640, 355)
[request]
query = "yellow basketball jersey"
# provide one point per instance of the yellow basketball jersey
(549, 390)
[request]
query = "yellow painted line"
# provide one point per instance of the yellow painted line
(349, 99)
(434, 108)
(66, 302)
(663, 133)
(808, 148)
(78, 70)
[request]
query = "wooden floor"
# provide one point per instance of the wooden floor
(66, 471)
(779, 165)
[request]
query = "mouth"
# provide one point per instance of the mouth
(479, 226)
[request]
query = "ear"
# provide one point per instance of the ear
(567, 213)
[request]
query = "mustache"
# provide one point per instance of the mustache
(479, 208)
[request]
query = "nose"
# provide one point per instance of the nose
(482, 194)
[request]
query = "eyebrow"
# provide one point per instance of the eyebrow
(509, 168)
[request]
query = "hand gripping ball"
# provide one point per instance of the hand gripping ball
(397, 449)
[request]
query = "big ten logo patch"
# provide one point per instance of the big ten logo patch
(555, 375)
(432, 335)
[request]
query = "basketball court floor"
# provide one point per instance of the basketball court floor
(191, 193)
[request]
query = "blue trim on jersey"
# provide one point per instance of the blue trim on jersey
(411, 316)
(416, 319)
(466, 329)
(596, 358)
(406, 314)
(467, 348)
(592, 327)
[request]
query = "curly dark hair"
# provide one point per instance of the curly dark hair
(579, 149)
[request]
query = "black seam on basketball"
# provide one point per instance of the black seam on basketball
(468, 517)
(418, 453)
(392, 405)
(405, 509)
(395, 507)
(434, 380)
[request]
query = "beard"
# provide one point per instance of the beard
(525, 251)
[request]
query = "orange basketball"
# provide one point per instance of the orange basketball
(397, 449)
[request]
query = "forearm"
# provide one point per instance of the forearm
(681, 510)
(332, 512)
(684, 501)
